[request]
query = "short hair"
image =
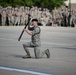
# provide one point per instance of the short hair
(34, 20)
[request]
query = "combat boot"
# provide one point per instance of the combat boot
(47, 52)
(26, 56)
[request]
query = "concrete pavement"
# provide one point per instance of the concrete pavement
(60, 40)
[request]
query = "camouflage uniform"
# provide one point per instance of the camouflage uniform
(35, 43)
(4, 16)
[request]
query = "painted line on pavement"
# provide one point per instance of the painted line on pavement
(24, 71)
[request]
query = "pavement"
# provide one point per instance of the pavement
(61, 41)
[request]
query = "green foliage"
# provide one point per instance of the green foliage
(29, 3)
(39, 3)
(57, 3)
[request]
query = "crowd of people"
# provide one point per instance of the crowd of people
(66, 17)
(18, 16)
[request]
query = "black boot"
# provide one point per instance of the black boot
(47, 53)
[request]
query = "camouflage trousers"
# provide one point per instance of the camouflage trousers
(37, 52)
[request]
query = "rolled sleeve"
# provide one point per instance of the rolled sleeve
(35, 31)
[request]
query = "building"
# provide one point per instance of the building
(72, 2)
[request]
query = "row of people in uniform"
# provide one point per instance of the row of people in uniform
(19, 16)
(64, 17)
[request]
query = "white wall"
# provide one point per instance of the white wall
(72, 1)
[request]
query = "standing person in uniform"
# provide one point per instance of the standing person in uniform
(17, 17)
(4, 16)
(65, 16)
(0, 15)
(35, 41)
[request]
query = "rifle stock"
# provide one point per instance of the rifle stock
(24, 27)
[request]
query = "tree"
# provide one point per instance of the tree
(40, 3)
(48, 3)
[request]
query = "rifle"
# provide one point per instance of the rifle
(24, 27)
